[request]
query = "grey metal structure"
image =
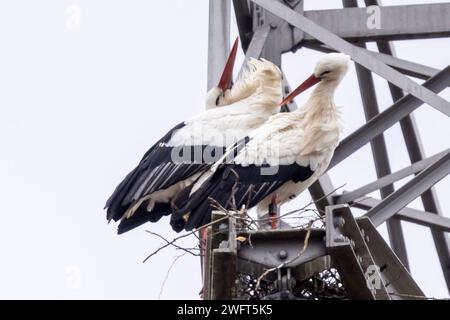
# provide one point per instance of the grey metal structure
(269, 28)
(367, 266)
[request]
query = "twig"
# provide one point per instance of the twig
(168, 272)
(313, 202)
(187, 250)
(169, 243)
(240, 215)
(216, 205)
(192, 248)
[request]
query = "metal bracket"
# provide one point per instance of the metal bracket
(273, 247)
(348, 248)
(220, 266)
(278, 40)
(394, 275)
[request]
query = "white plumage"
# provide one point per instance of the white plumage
(283, 157)
(249, 103)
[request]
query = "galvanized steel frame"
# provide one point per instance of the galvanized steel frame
(269, 28)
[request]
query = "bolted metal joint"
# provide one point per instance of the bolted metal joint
(283, 254)
(339, 222)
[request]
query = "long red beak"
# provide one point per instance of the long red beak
(227, 74)
(308, 83)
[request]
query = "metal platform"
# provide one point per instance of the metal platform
(284, 259)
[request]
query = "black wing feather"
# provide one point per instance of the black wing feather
(123, 186)
(249, 184)
(155, 171)
(142, 216)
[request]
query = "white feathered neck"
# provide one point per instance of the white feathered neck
(320, 104)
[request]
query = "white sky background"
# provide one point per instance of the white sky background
(78, 109)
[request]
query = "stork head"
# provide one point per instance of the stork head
(330, 69)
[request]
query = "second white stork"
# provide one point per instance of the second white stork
(279, 160)
(177, 159)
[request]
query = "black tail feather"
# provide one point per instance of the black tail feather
(217, 187)
(115, 209)
(142, 216)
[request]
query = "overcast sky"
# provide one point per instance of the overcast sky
(80, 106)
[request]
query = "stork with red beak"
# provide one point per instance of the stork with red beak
(191, 147)
(278, 160)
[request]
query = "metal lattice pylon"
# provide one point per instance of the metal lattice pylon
(269, 28)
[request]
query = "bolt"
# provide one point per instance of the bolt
(339, 222)
(340, 238)
(292, 282)
(367, 238)
(284, 295)
(363, 232)
(223, 227)
(223, 244)
(282, 254)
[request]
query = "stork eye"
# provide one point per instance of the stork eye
(324, 73)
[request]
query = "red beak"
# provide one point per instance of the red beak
(308, 83)
(227, 74)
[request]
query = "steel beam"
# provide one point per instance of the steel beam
(423, 218)
(244, 21)
(397, 22)
(283, 37)
(206, 264)
(218, 48)
(273, 43)
(416, 153)
(379, 150)
(399, 283)
(347, 246)
(223, 258)
(357, 54)
(416, 167)
(406, 67)
(387, 118)
(410, 191)
(322, 192)
(218, 39)
(255, 48)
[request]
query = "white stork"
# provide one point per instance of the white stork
(279, 160)
(178, 158)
